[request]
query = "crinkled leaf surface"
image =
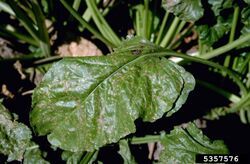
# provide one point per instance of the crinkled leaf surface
(220, 20)
(15, 140)
(85, 103)
(211, 31)
(181, 145)
(219, 5)
(72, 157)
(33, 155)
(245, 19)
(14, 136)
(188, 10)
(209, 35)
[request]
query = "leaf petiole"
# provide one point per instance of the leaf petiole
(146, 139)
(88, 157)
(234, 76)
(226, 47)
(86, 24)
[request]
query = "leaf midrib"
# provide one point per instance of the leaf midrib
(134, 60)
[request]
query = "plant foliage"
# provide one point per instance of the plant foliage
(182, 144)
(85, 103)
(15, 139)
(88, 107)
(188, 10)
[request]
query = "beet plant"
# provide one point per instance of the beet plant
(127, 106)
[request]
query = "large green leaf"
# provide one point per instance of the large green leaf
(210, 33)
(188, 10)
(15, 140)
(219, 5)
(85, 103)
(181, 145)
(14, 136)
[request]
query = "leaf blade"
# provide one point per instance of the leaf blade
(85, 103)
(181, 145)
(188, 10)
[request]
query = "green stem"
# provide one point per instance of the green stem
(242, 103)
(86, 24)
(102, 24)
(6, 8)
(180, 27)
(177, 42)
(76, 4)
(18, 35)
(87, 13)
(163, 25)
(47, 60)
(87, 158)
(176, 32)
(200, 45)
(234, 23)
(244, 65)
(146, 139)
(24, 19)
(226, 47)
(42, 29)
(230, 96)
(243, 118)
(145, 19)
(248, 78)
(232, 33)
(138, 21)
(166, 40)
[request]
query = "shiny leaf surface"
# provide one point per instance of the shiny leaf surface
(85, 103)
(219, 5)
(14, 136)
(210, 35)
(182, 144)
(188, 10)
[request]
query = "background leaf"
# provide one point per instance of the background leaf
(14, 136)
(219, 23)
(245, 20)
(15, 140)
(188, 10)
(181, 145)
(34, 155)
(219, 5)
(209, 35)
(85, 103)
(72, 157)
